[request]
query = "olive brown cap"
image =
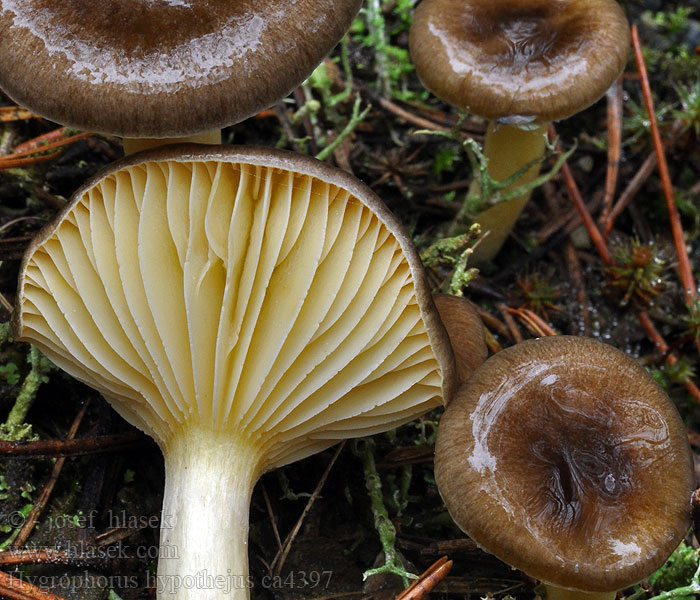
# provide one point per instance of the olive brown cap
(540, 59)
(161, 68)
(566, 460)
(466, 332)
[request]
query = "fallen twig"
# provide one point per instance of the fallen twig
(79, 447)
(281, 556)
(686, 274)
(584, 215)
(614, 96)
(663, 349)
(433, 575)
(15, 588)
(29, 523)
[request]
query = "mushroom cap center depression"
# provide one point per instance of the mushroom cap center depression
(565, 459)
(498, 59)
(512, 37)
(576, 455)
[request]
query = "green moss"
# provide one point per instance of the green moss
(677, 571)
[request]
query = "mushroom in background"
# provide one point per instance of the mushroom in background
(466, 333)
(244, 307)
(563, 457)
(520, 65)
(160, 69)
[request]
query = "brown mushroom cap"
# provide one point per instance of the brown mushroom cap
(565, 459)
(466, 333)
(503, 58)
(161, 68)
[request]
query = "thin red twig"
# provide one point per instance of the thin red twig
(18, 589)
(422, 586)
(584, 215)
(28, 525)
(45, 146)
(686, 274)
(538, 322)
(532, 321)
(41, 140)
(663, 349)
(79, 447)
(629, 192)
(26, 161)
(614, 143)
(510, 322)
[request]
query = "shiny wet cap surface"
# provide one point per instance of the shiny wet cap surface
(161, 68)
(544, 59)
(565, 459)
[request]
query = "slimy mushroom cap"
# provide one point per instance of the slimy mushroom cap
(161, 68)
(541, 60)
(566, 460)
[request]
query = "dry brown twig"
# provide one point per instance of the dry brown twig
(281, 556)
(614, 97)
(9, 114)
(53, 140)
(686, 273)
(510, 322)
(15, 588)
(79, 447)
(29, 523)
(422, 586)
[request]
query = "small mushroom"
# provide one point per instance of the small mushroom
(566, 460)
(520, 64)
(466, 333)
(161, 68)
(244, 307)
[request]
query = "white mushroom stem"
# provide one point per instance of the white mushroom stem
(204, 529)
(508, 150)
(133, 145)
(559, 593)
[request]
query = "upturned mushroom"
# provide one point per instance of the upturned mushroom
(244, 307)
(520, 65)
(161, 68)
(565, 459)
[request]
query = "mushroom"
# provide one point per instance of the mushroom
(466, 333)
(161, 68)
(244, 307)
(519, 64)
(566, 460)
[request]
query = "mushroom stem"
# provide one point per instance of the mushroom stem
(559, 593)
(204, 527)
(508, 149)
(133, 145)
